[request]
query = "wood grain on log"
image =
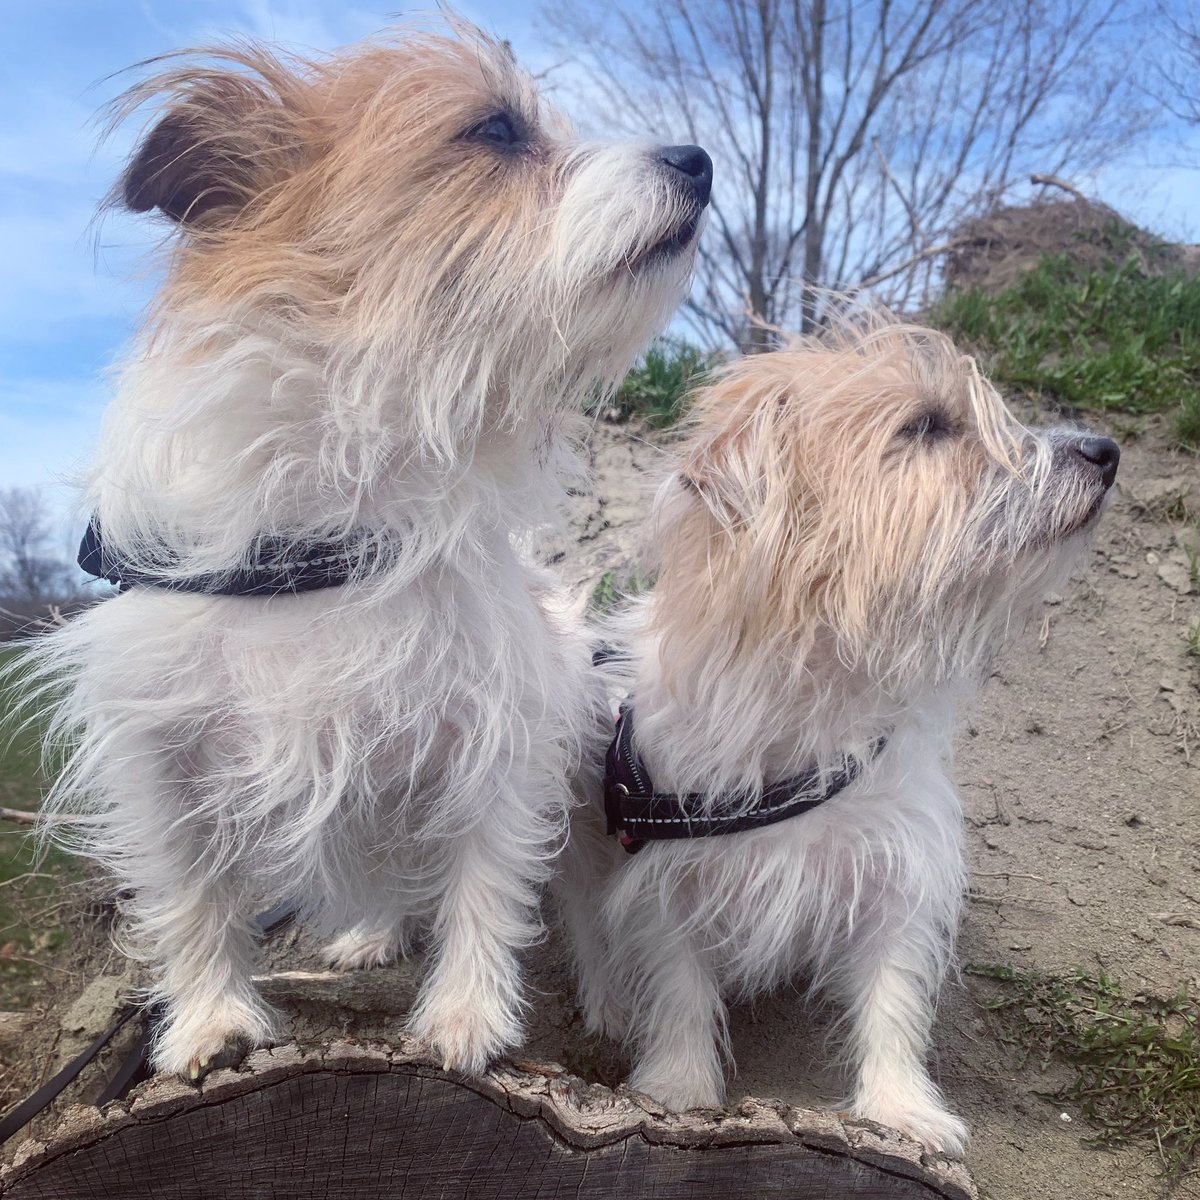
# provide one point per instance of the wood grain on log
(361, 1123)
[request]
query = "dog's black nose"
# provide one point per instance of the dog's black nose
(1103, 452)
(693, 166)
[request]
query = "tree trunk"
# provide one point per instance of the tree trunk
(814, 224)
(355, 1123)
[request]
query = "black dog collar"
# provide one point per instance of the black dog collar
(638, 814)
(280, 567)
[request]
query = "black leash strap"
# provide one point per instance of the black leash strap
(638, 814)
(17, 1118)
(278, 567)
(136, 1065)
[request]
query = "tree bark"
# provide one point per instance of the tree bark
(368, 1123)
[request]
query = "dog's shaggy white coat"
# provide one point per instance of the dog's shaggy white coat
(848, 534)
(396, 281)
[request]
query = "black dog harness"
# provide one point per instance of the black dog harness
(280, 567)
(638, 814)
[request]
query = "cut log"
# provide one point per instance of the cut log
(385, 1123)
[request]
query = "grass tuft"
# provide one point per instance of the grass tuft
(1104, 337)
(1192, 634)
(611, 590)
(1191, 551)
(1136, 1059)
(656, 390)
(31, 882)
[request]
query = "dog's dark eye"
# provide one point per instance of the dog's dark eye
(928, 426)
(499, 130)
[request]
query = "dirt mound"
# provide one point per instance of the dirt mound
(997, 249)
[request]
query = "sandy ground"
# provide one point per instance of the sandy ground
(1083, 812)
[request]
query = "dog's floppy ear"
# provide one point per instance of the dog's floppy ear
(224, 138)
(727, 466)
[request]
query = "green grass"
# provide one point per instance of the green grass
(656, 389)
(1135, 1059)
(1109, 337)
(1192, 551)
(611, 590)
(30, 886)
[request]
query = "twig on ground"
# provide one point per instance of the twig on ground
(1010, 875)
(1027, 901)
(24, 876)
(53, 621)
(41, 964)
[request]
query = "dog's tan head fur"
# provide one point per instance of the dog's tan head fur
(410, 196)
(341, 180)
(869, 495)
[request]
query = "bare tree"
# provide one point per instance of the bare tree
(1176, 84)
(30, 572)
(852, 136)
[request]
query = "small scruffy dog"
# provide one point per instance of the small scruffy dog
(395, 279)
(852, 529)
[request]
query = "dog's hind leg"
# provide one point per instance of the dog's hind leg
(588, 860)
(678, 1016)
(371, 943)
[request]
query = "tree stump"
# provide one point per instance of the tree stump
(385, 1123)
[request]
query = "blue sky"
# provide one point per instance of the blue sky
(72, 288)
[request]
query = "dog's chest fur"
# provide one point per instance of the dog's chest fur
(331, 729)
(788, 900)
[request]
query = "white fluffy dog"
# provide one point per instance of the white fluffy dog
(852, 528)
(394, 281)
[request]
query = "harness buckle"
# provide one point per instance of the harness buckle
(613, 791)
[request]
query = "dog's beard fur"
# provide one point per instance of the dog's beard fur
(852, 529)
(376, 324)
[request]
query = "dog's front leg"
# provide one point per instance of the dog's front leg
(469, 1008)
(206, 950)
(188, 915)
(678, 1017)
(892, 980)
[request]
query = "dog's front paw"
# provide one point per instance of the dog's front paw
(192, 1046)
(937, 1129)
(465, 1037)
(358, 949)
(679, 1093)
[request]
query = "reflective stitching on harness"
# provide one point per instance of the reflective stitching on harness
(766, 810)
